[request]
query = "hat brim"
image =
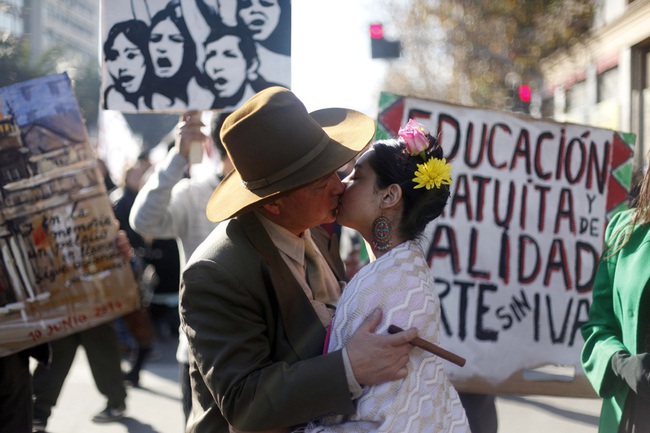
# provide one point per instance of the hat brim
(349, 131)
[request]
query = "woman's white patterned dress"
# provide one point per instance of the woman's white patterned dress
(401, 284)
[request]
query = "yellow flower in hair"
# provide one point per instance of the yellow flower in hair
(433, 173)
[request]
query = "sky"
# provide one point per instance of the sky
(331, 63)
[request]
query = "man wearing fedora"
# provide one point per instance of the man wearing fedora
(257, 297)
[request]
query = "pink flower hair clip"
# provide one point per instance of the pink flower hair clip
(415, 137)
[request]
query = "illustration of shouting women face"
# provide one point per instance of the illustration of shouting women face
(225, 65)
(166, 48)
(126, 64)
(260, 16)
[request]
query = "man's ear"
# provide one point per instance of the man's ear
(391, 196)
(273, 207)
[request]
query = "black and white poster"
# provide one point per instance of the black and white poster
(177, 55)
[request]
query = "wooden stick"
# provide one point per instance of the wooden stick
(431, 348)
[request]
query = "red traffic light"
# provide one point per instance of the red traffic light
(376, 31)
(380, 47)
(524, 93)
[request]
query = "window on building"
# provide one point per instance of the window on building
(607, 85)
(548, 106)
(11, 20)
(576, 96)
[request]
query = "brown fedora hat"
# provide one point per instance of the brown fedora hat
(276, 146)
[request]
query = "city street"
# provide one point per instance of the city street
(156, 407)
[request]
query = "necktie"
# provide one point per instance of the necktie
(315, 272)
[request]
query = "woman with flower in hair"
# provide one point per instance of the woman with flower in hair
(396, 188)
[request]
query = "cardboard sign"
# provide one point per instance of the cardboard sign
(177, 55)
(515, 253)
(60, 271)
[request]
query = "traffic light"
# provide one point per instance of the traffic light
(521, 99)
(380, 47)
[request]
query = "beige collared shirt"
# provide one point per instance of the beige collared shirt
(292, 251)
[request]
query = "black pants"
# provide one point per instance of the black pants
(104, 357)
(481, 412)
(15, 394)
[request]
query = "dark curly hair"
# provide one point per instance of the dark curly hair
(394, 165)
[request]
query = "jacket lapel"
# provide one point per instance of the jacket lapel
(304, 330)
(329, 247)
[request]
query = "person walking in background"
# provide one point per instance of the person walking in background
(255, 321)
(137, 322)
(16, 411)
(104, 357)
(616, 354)
(102, 350)
(161, 276)
(169, 205)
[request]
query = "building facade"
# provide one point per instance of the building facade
(604, 80)
(11, 17)
(72, 25)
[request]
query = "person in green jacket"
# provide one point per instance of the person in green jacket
(617, 336)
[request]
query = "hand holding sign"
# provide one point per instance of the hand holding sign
(190, 138)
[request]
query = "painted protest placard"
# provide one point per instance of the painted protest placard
(60, 271)
(515, 252)
(177, 55)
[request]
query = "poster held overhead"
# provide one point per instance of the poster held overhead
(180, 55)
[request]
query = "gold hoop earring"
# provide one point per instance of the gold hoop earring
(381, 236)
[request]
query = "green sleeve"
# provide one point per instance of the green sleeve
(602, 333)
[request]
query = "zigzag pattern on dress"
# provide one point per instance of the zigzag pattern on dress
(401, 284)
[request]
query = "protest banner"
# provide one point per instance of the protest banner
(60, 271)
(515, 253)
(179, 55)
